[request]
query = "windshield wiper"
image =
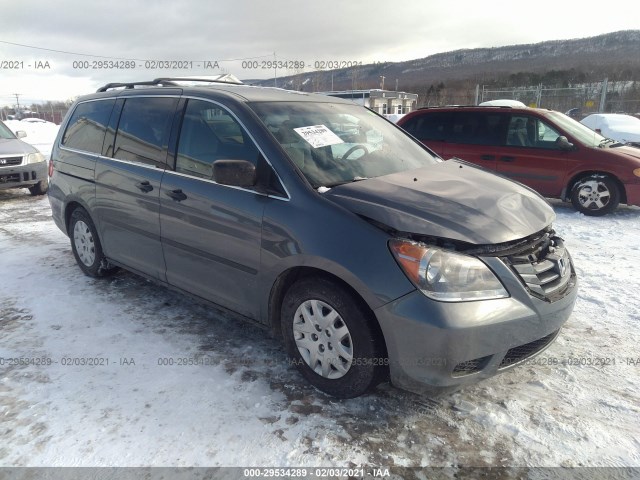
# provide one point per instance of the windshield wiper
(604, 141)
(336, 184)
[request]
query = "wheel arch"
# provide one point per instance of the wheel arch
(566, 196)
(287, 278)
(70, 207)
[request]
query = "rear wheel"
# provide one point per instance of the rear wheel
(330, 339)
(595, 194)
(86, 246)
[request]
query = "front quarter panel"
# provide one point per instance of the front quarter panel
(313, 232)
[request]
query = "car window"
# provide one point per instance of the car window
(87, 126)
(577, 130)
(5, 132)
(210, 133)
(339, 143)
(143, 130)
(528, 131)
(477, 128)
(428, 126)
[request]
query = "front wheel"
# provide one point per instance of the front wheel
(39, 188)
(595, 195)
(86, 245)
(330, 339)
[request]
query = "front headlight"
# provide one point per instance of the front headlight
(35, 158)
(444, 275)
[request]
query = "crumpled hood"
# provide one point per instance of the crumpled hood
(450, 199)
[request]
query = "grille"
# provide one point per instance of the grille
(518, 354)
(7, 161)
(13, 177)
(470, 366)
(544, 267)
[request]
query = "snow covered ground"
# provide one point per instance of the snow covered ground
(39, 134)
(123, 372)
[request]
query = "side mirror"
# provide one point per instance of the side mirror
(563, 144)
(21, 134)
(236, 173)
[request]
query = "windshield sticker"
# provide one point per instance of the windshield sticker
(318, 136)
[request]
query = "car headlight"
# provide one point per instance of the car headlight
(444, 275)
(35, 158)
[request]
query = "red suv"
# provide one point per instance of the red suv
(544, 149)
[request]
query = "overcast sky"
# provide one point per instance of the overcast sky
(223, 30)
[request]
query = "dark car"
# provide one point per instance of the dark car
(546, 150)
(370, 256)
(21, 165)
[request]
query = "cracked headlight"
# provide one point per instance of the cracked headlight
(445, 275)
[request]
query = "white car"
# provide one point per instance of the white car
(503, 102)
(619, 127)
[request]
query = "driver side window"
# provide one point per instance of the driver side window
(527, 131)
(210, 133)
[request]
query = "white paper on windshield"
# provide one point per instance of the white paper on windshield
(318, 136)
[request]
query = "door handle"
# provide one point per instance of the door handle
(177, 195)
(488, 157)
(145, 186)
(507, 159)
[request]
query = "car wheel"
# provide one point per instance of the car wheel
(330, 339)
(86, 245)
(595, 195)
(39, 188)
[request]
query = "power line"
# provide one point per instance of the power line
(113, 58)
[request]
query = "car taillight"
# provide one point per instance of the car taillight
(50, 167)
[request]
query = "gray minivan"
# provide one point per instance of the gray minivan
(371, 257)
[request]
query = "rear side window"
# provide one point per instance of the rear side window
(87, 126)
(478, 128)
(143, 130)
(430, 126)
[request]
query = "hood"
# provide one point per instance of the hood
(451, 199)
(628, 151)
(13, 146)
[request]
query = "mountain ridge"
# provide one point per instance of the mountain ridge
(613, 55)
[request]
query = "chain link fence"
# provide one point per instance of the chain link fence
(604, 96)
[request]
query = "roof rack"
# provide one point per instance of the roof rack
(467, 106)
(171, 82)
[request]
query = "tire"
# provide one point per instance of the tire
(86, 246)
(39, 188)
(595, 195)
(315, 312)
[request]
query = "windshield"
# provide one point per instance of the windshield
(5, 132)
(335, 143)
(577, 130)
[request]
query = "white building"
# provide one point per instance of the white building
(382, 101)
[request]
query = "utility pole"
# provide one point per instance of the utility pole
(17, 95)
(382, 82)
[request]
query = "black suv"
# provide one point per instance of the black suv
(367, 253)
